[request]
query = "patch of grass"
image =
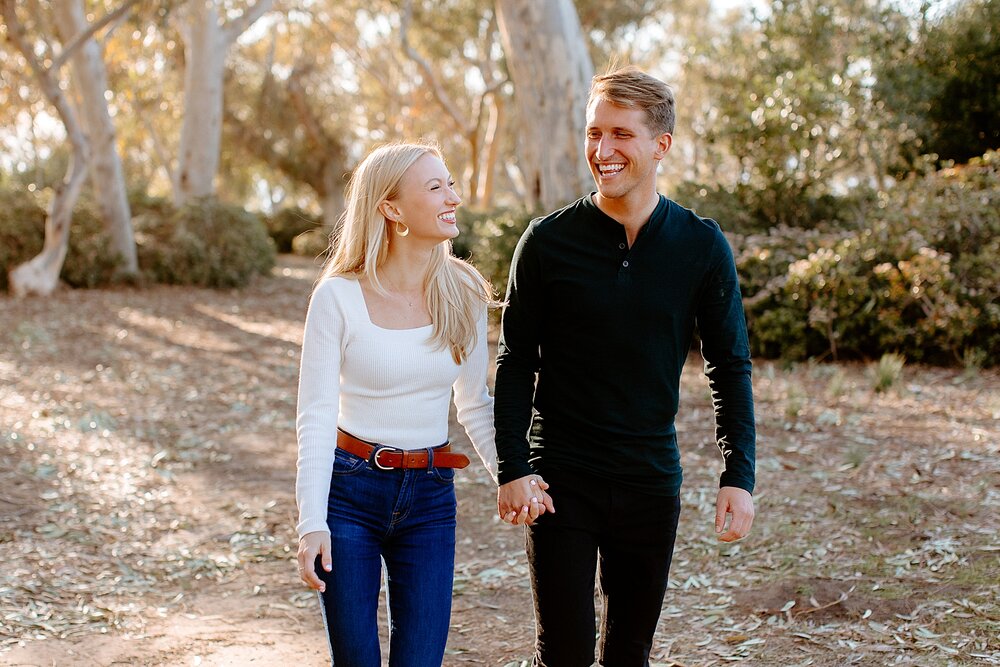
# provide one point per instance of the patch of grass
(837, 384)
(888, 372)
(973, 360)
(795, 400)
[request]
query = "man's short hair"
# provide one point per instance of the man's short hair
(632, 88)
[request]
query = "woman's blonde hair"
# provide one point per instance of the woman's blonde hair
(454, 290)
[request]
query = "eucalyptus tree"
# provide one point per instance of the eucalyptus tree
(209, 30)
(40, 275)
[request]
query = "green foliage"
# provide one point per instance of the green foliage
(748, 210)
(311, 243)
(288, 223)
(946, 84)
(488, 240)
(792, 104)
(921, 277)
(22, 229)
(205, 243)
(90, 262)
(887, 372)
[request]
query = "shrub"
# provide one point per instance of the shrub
(311, 243)
(205, 243)
(921, 278)
(489, 241)
(22, 229)
(288, 223)
(887, 372)
(90, 261)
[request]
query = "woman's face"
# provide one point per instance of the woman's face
(427, 200)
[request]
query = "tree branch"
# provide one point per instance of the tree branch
(239, 25)
(439, 93)
(67, 51)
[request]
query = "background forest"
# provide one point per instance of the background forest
(845, 147)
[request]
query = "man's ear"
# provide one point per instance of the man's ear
(389, 211)
(663, 144)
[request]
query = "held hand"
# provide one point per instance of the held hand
(523, 500)
(311, 545)
(738, 505)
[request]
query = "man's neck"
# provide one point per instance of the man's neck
(631, 212)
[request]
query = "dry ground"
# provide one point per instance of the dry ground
(146, 503)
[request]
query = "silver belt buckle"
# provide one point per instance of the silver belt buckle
(375, 460)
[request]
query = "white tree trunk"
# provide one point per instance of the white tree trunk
(551, 69)
(206, 42)
(40, 275)
(201, 132)
(107, 177)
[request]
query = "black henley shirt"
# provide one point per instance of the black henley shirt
(607, 329)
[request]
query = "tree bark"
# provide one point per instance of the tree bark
(106, 173)
(548, 61)
(40, 275)
(206, 42)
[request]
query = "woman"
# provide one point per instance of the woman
(395, 323)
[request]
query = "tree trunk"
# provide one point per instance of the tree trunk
(548, 61)
(106, 173)
(201, 131)
(40, 275)
(487, 179)
(206, 43)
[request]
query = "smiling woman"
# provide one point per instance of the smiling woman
(395, 324)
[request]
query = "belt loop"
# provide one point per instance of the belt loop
(430, 459)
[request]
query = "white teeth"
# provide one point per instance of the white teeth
(607, 169)
(447, 217)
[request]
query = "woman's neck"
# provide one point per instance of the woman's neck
(404, 269)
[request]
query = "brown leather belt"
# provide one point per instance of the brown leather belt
(389, 457)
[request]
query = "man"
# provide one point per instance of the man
(603, 299)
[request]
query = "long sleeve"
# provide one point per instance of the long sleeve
(473, 400)
(518, 361)
(726, 350)
(318, 406)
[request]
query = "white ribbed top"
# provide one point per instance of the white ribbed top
(389, 386)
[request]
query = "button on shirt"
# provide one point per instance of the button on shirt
(607, 328)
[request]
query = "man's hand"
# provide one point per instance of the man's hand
(523, 500)
(738, 505)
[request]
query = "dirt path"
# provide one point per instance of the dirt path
(146, 505)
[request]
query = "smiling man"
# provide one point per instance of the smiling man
(603, 300)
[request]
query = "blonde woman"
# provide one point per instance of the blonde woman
(394, 325)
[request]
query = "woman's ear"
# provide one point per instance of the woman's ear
(389, 211)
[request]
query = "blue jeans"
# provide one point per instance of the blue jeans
(407, 519)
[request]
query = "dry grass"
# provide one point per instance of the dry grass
(146, 504)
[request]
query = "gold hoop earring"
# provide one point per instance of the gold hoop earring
(406, 230)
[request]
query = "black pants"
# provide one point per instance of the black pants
(625, 537)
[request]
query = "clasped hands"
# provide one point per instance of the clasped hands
(523, 500)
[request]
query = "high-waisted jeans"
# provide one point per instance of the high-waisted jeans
(405, 518)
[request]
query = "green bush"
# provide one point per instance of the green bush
(745, 210)
(488, 240)
(22, 229)
(921, 279)
(311, 243)
(205, 243)
(90, 261)
(288, 223)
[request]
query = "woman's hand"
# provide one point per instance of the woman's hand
(523, 500)
(311, 545)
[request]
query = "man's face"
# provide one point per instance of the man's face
(621, 149)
